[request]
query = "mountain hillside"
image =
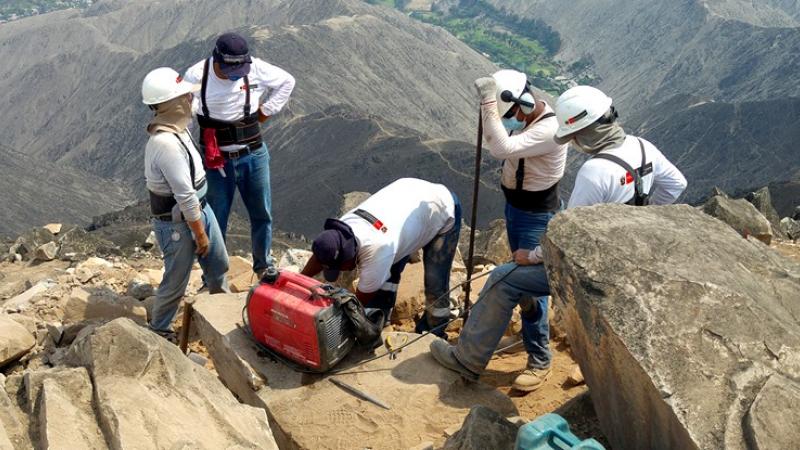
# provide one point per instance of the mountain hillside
(712, 83)
(82, 109)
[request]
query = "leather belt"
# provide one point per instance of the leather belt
(243, 152)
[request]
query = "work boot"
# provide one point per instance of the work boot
(443, 353)
(531, 379)
(436, 328)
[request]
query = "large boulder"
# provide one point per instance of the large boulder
(741, 216)
(762, 200)
(15, 340)
(677, 324)
(791, 228)
(148, 394)
(27, 243)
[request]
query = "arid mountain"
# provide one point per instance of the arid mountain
(74, 90)
(713, 83)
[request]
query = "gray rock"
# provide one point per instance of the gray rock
(100, 303)
(741, 216)
(351, 200)
(676, 322)
(483, 429)
(28, 242)
(46, 252)
(150, 242)
(796, 215)
(774, 417)
(716, 191)
(140, 290)
(66, 418)
(491, 245)
(15, 340)
(294, 257)
(139, 377)
(762, 200)
(77, 244)
(791, 228)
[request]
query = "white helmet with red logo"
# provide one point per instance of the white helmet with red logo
(579, 107)
(164, 84)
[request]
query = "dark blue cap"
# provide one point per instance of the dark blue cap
(233, 55)
(333, 247)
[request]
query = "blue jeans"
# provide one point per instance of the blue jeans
(177, 244)
(437, 258)
(525, 229)
(250, 174)
(507, 286)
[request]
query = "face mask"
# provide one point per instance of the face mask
(513, 124)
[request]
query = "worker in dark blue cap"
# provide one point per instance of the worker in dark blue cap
(238, 93)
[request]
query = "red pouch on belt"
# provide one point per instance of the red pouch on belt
(214, 159)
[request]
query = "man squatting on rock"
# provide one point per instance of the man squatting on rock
(183, 222)
(380, 235)
(229, 111)
(519, 129)
(622, 169)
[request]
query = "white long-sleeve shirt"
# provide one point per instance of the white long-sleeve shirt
(167, 172)
(603, 181)
(544, 159)
(225, 98)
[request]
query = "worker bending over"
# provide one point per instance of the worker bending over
(519, 129)
(622, 169)
(381, 234)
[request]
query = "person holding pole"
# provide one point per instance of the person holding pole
(622, 169)
(518, 129)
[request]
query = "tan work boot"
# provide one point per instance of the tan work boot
(531, 379)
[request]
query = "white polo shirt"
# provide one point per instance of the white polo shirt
(413, 212)
(603, 181)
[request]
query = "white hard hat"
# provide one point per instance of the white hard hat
(579, 107)
(514, 82)
(164, 84)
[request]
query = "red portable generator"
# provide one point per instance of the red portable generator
(295, 317)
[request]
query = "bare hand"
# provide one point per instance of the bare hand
(201, 241)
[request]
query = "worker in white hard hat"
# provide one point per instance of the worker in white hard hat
(519, 128)
(623, 169)
(184, 224)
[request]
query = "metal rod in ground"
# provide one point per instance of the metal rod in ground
(359, 393)
(188, 309)
(474, 219)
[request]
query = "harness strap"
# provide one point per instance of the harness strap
(640, 198)
(191, 160)
(377, 224)
(203, 87)
(520, 175)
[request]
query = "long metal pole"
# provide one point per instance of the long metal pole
(473, 221)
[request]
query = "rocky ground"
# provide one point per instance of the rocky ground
(73, 305)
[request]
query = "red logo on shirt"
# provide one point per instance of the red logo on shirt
(627, 179)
